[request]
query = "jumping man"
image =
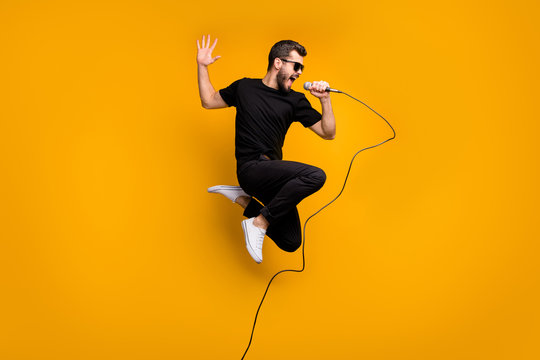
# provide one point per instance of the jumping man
(270, 188)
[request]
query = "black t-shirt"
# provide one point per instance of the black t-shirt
(263, 116)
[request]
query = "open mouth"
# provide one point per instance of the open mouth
(292, 78)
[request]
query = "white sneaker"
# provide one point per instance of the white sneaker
(254, 239)
(231, 192)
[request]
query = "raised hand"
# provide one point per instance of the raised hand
(204, 51)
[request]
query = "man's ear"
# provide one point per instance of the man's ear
(278, 63)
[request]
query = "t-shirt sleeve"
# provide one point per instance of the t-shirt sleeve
(228, 94)
(305, 114)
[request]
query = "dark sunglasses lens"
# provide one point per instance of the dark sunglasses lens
(298, 66)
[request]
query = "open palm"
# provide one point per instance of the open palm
(204, 51)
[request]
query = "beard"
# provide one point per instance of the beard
(282, 78)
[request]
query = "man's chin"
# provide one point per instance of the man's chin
(284, 90)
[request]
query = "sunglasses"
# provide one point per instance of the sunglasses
(297, 65)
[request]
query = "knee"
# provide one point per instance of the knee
(291, 245)
(318, 177)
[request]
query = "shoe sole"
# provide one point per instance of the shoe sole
(249, 248)
(216, 188)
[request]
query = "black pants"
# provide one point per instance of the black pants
(280, 185)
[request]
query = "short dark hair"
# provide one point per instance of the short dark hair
(282, 49)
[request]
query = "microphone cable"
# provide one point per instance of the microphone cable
(318, 211)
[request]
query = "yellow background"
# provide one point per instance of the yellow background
(111, 248)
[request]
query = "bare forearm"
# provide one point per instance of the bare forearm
(328, 121)
(206, 90)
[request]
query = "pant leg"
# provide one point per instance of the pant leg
(286, 233)
(280, 185)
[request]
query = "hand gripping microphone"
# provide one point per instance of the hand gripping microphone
(307, 85)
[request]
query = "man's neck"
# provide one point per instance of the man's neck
(270, 81)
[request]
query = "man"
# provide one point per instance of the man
(265, 108)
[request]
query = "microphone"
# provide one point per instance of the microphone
(307, 85)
